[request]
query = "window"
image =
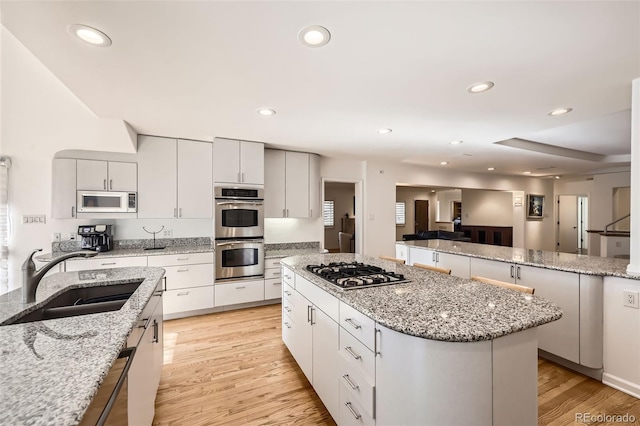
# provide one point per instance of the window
(328, 213)
(400, 213)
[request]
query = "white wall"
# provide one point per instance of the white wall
(487, 208)
(444, 204)
(40, 116)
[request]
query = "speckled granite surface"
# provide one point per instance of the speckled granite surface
(135, 251)
(51, 369)
(433, 305)
(291, 249)
(589, 265)
(174, 243)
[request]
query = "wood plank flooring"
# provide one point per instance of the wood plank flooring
(231, 368)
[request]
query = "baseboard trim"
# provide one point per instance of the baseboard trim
(594, 373)
(622, 385)
(186, 314)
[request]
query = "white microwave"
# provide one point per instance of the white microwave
(107, 202)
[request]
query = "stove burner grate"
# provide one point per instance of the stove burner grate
(354, 275)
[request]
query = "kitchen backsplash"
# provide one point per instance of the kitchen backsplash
(293, 246)
(138, 243)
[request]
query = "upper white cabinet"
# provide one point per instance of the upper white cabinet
(238, 161)
(63, 191)
(175, 178)
(98, 175)
(292, 184)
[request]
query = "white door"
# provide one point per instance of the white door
(123, 176)
(63, 188)
(274, 201)
(226, 160)
(252, 162)
(297, 184)
(92, 175)
(195, 180)
(157, 178)
(567, 223)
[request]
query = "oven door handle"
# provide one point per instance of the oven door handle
(229, 243)
(227, 203)
(128, 352)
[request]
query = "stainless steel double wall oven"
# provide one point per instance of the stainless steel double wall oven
(239, 232)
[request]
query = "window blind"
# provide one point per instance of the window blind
(328, 213)
(400, 213)
(5, 163)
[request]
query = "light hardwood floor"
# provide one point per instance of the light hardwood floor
(232, 368)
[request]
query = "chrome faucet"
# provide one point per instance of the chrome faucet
(31, 277)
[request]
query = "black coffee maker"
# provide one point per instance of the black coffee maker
(96, 237)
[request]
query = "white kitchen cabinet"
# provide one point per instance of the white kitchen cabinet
(98, 175)
(422, 255)
(402, 252)
(292, 184)
(238, 161)
(79, 264)
(562, 337)
(63, 188)
(175, 178)
(458, 264)
(245, 291)
(272, 279)
(300, 335)
(325, 359)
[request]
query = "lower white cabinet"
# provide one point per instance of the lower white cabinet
(272, 279)
(188, 299)
(236, 292)
(458, 264)
(402, 252)
(104, 263)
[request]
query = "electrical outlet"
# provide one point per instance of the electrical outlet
(618, 243)
(56, 237)
(72, 236)
(167, 233)
(630, 299)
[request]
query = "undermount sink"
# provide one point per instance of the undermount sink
(81, 301)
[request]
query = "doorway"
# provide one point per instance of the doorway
(572, 224)
(340, 211)
(422, 215)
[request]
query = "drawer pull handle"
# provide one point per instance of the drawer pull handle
(183, 270)
(355, 414)
(287, 324)
(278, 283)
(352, 323)
(287, 293)
(288, 309)
(108, 263)
(351, 352)
(240, 287)
(354, 387)
(182, 258)
(184, 293)
(276, 273)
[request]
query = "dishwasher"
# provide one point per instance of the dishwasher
(109, 405)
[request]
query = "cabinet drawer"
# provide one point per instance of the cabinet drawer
(351, 412)
(358, 386)
(272, 273)
(287, 331)
(323, 300)
(239, 292)
(357, 355)
(189, 276)
(358, 324)
(105, 263)
(180, 259)
(187, 299)
(288, 276)
(273, 263)
(272, 289)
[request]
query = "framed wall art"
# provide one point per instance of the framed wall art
(535, 206)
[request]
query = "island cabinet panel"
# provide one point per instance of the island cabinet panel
(352, 412)
(415, 384)
(402, 252)
(300, 333)
(422, 255)
(318, 297)
(562, 337)
(591, 321)
(358, 324)
(325, 359)
(459, 265)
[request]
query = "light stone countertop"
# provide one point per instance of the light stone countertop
(583, 264)
(128, 252)
(433, 305)
(51, 369)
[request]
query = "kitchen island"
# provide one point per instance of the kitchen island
(52, 369)
(436, 350)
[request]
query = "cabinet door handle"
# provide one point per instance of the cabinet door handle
(518, 272)
(353, 386)
(287, 324)
(242, 176)
(180, 212)
(433, 256)
(184, 293)
(155, 331)
(183, 270)
(165, 282)
(240, 287)
(287, 212)
(512, 275)
(309, 313)
(355, 414)
(437, 257)
(376, 352)
(110, 183)
(276, 273)
(175, 212)
(351, 352)
(352, 323)
(104, 184)
(108, 263)
(73, 211)
(278, 283)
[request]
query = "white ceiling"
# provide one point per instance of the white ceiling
(201, 69)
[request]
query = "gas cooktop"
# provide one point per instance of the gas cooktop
(355, 275)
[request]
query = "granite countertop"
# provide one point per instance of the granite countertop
(51, 369)
(583, 264)
(128, 252)
(434, 305)
(274, 254)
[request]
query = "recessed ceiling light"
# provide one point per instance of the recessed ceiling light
(444, 163)
(557, 177)
(491, 168)
(527, 172)
(433, 190)
(480, 87)
(266, 112)
(314, 36)
(384, 131)
(560, 111)
(455, 142)
(90, 35)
